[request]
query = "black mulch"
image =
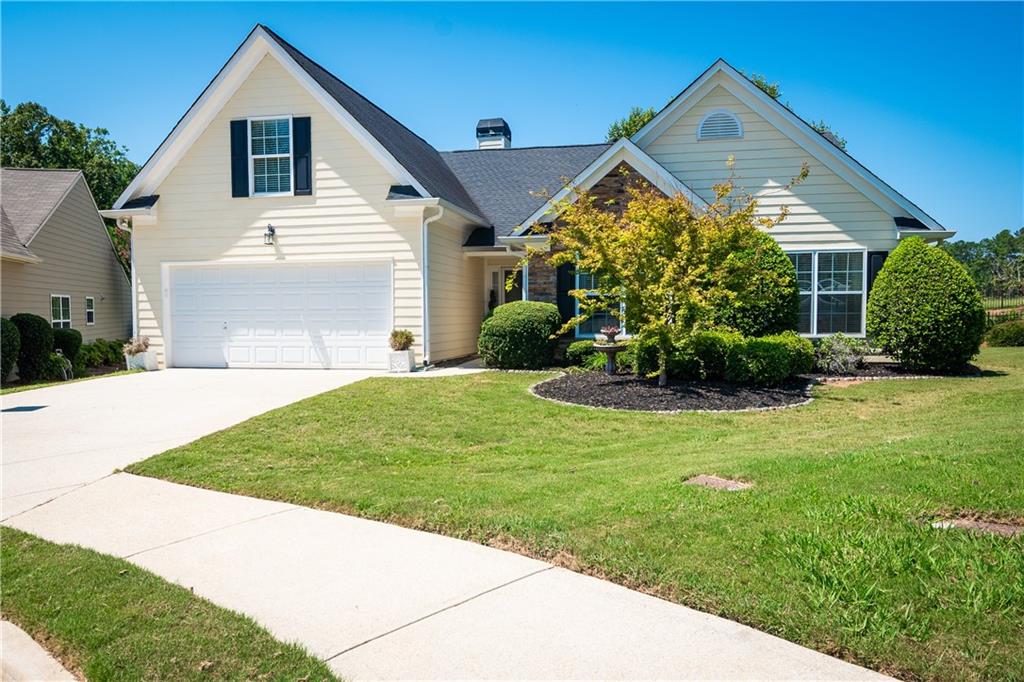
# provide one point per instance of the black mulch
(891, 369)
(627, 392)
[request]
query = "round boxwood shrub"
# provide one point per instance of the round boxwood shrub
(36, 345)
(801, 352)
(69, 341)
(518, 335)
(1009, 333)
(762, 361)
(774, 305)
(925, 310)
(10, 342)
(710, 350)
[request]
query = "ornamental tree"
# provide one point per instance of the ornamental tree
(662, 265)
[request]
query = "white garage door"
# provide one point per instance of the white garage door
(281, 315)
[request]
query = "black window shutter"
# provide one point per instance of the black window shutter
(876, 259)
(565, 281)
(301, 157)
(239, 159)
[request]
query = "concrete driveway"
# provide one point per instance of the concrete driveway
(56, 439)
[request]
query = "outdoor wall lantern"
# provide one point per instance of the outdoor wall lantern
(268, 236)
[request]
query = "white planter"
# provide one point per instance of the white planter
(401, 361)
(146, 361)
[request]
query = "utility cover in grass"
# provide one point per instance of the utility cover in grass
(1006, 529)
(718, 483)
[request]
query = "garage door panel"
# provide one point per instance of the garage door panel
(281, 315)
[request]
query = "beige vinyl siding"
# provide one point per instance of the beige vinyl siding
(78, 260)
(456, 299)
(825, 210)
(345, 218)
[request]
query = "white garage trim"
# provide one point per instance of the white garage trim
(167, 267)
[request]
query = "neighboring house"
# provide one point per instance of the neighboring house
(286, 221)
(58, 261)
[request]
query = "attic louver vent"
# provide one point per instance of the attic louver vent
(719, 125)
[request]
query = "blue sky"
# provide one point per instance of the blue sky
(929, 96)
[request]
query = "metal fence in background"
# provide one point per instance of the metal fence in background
(1003, 302)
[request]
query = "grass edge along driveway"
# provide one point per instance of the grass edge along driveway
(107, 619)
(831, 549)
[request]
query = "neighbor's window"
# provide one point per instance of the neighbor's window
(831, 291)
(90, 310)
(270, 149)
(591, 326)
(60, 311)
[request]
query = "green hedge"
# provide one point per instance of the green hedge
(36, 345)
(101, 352)
(69, 341)
(1009, 333)
(925, 310)
(10, 342)
(519, 335)
(763, 361)
(579, 352)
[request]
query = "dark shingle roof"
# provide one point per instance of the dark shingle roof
(410, 150)
(505, 183)
(29, 196)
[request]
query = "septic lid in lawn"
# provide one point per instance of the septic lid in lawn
(718, 483)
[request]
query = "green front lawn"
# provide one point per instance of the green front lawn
(107, 619)
(831, 548)
(18, 388)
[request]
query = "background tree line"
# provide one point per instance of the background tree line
(996, 264)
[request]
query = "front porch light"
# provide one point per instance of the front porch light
(268, 236)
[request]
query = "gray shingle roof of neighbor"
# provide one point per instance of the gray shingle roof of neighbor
(142, 202)
(414, 153)
(28, 197)
(10, 245)
(507, 184)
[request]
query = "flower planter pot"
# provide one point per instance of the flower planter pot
(400, 361)
(146, 361)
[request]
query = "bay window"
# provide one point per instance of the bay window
(832, 291)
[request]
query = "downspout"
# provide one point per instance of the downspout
(124, 224)
(426, 282)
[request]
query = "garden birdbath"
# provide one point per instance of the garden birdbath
(610, 350)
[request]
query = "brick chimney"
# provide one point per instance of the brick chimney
(493, 133)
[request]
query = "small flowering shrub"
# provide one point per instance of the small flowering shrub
(610, 332)
(840, 354)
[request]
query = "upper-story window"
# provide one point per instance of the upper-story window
(270, 152)
(720, 125)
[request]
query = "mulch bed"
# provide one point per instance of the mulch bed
(891, 370)
(628, 392)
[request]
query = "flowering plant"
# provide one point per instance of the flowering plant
(610, 332)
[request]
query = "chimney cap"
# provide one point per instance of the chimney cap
(492, 127)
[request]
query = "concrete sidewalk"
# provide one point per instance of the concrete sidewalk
(383, 602)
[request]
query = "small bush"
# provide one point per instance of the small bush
(401, 339)
(111, 352)
(578, 352)
(54, 367)
(801, 352)
(69, 341)
(519, 335)
(776, 306)
(36, 345)
(1010, 333)
(763, 361)
(710, 350)
(135, 345)
(641, 357)
(10, 342)
(839, 354)
(925, 310)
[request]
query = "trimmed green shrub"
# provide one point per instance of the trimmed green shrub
(101, 352)
(801, 351)
(763, 361)
(640, 357)
(776, 306)
(579, 352)
(1010, 333)
(69, 341)
(840, 354)
(10, 342)
(710, 349)
(924, 309)
(36, 345)
(519, 335)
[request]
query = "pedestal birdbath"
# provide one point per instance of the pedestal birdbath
(610, 350)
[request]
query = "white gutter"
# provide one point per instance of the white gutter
(123, 223)
(118, 213)
(927, 235)
(426, 281)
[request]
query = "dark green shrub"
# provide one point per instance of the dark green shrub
(840, 354)
(102, 352)
(763, 361)
(801, 352)
(776, 306)
(10, 342)
(710, 349)
(69, 341)
(924, 309)
(579, 352)
(54, 367)
(518, 335)
(88, 355)
(36, 345)
(1010, 333)
(640, 357)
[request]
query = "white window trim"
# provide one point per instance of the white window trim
(739, 125)
(291, 161)
(815, 293)
(88, 300)
(61, 320)
(576, 309)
